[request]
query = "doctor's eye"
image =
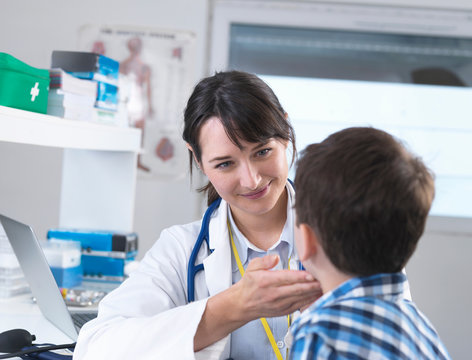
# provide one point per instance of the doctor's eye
(263, 152)
(222, 165)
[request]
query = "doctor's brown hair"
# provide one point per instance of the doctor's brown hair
(365, 197)
(247, 108)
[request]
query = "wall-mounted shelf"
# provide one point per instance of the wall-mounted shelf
(27, 127)
(99, 167)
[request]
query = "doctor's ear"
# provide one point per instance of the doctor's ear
(194, 157)
(307, 243)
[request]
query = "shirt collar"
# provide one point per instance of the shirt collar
(390, 286)
(244, 246)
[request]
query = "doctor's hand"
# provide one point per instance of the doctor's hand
(260, 293)
(265, 293)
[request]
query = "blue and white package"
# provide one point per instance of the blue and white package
(105, 254)
(64, 259)
(107, 96)
(87, 65)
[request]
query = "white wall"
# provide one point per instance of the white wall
(31, 30)
(439, 275)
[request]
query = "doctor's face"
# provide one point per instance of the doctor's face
(250, 179)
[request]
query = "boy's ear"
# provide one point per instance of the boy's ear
(308, 243)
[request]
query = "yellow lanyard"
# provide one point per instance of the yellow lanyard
(266, 326)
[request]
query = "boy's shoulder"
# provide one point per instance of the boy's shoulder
(357, 313)
(358, 319)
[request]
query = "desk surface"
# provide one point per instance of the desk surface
(21, 312)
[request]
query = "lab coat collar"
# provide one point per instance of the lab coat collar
(218, 264)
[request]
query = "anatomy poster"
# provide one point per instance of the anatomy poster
(156, 79)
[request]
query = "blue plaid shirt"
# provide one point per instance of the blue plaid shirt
(366, 318)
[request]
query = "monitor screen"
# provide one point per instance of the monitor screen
(432, 121)
(416, 87)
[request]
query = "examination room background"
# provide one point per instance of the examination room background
(30, 176)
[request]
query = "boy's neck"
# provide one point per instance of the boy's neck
(330, 277)
(332, 282)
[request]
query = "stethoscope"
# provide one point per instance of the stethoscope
(204, 235)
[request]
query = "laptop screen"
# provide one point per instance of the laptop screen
(38, 274)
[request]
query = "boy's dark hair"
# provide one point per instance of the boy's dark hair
(247, 107)
(366, 197)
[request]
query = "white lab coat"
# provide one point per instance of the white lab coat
(148, 316)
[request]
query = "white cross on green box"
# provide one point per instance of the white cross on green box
(23, 86)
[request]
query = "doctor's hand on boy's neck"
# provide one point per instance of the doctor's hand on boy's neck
(260, 293)
(315, 260)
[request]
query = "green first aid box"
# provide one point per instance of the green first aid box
(23, 86)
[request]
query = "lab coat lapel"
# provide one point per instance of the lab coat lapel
(218, 264)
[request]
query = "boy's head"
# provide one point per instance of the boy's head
(365, 197)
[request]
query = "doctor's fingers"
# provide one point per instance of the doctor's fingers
(296, 292)
(299, 294)
(283, 277)
(263, 263)
(300, 291)
(283, 301)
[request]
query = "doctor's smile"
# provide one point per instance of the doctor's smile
(258, 193)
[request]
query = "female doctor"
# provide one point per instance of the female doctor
(236, 307)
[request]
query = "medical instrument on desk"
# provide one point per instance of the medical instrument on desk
(82, 297)
(18, 342)
(15, 339)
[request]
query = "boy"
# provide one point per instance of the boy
(362, 201)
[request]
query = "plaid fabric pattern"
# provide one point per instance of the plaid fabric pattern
(366, 318)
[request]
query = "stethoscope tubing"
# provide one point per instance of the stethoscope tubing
(204, 235)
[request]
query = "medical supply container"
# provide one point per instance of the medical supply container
(64, 259)
(23, 86)
(105, 254)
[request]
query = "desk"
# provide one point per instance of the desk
(21, 312)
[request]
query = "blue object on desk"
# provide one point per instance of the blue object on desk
(47, 355)
(64, 259)
(104, 254)
(67, 277)
(103, 267)
(94, 240)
